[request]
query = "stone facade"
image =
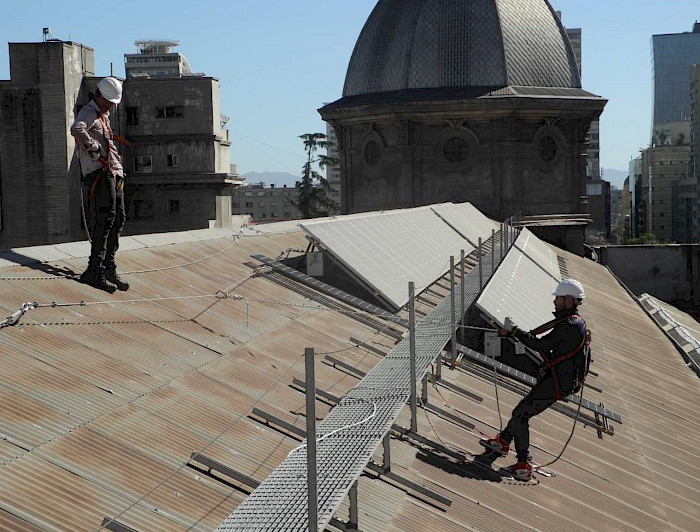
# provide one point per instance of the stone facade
(454, 101)
(500, 159)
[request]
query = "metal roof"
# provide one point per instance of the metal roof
(101, 406)
(432, 44)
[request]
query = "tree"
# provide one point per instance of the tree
(645, 238)
(314, 199)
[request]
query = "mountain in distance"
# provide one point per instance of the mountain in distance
(616, 177)
(279, 179)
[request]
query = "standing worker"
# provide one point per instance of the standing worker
(564, 351)
(101, 166)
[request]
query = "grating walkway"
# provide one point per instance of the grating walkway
(280, 502)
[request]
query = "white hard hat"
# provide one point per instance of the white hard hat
(570, 287)
(111, 89)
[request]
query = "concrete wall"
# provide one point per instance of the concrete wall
(39, 188)
(670, 273)
(150, 208)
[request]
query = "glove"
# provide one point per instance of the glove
(509, 325)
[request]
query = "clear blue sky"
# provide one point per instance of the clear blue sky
(279, 60)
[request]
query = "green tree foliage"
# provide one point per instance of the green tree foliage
(646, 238)
(314, 199)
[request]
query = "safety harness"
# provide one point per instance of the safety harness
(549, 365)
(107, 128)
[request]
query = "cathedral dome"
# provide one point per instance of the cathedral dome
(456, 45)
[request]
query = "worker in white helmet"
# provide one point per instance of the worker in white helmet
(564, 350)
(101, 166)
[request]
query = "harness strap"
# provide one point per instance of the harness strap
(549, 365)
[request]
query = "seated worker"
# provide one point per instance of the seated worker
(562, 373)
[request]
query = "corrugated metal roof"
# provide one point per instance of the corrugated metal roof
(112, 400)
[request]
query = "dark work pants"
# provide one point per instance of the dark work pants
(109, 218)
(541, 397)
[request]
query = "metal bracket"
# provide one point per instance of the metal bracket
(116, 526)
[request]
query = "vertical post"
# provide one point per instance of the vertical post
(412, 343)
(386, 465)
(481, 269)
(354, 516)
(453, 313)
(500, 240)
(461, 291)
(424, 390)
(493, 251)
(311, 440)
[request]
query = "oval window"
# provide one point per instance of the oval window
(547, 148)
(455, 150)
(372, 153)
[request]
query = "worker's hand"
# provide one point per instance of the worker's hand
(508, 326)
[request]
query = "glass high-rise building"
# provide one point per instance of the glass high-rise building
(672, 54)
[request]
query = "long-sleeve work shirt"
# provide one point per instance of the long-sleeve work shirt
(93, 134)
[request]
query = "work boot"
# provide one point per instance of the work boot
(496, 444)
(95, 277)
(520, 471)
(113, 277)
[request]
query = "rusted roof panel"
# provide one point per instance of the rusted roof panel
(112, 406)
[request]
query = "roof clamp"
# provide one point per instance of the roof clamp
(14, 318)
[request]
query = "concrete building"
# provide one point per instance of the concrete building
(333, 172)
(638, 197)
(598, 192)
(494, 115)
(664, 168)
(179, 162)
(615, 205)
(39, 177)
(265, 204)
(177, 166)
(672, 55)
(156, 59)
(694, 169)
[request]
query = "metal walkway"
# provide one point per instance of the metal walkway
(361, 419)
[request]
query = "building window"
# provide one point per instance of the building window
(273, 204)
(287, 203)
(372, 153)
(143, 209)
(261, 204)
(287, 214)
(273, 215)
(143, 164)
(262, 215)
(236, 205)
(172, 160)
(249, 204)
(261, 194)
(173, 205)
(547, 148)
(132, 116)
(171, 111)
(248, 194)
(455, 150)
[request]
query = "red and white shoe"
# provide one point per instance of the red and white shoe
(496, 444)
(520, 471)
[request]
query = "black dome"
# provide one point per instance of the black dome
(438, 44)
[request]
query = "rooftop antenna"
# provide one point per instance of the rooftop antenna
(47, 34)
